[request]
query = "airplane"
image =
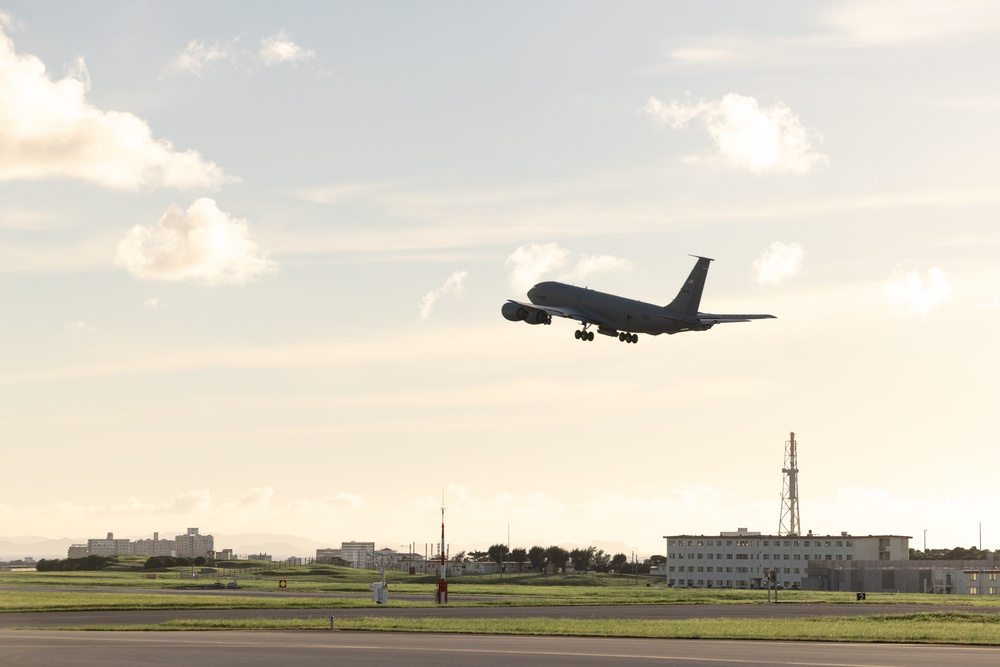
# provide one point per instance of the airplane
(620, 317)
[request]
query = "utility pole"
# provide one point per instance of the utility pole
(442, 589)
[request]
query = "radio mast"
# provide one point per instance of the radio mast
(789, 523)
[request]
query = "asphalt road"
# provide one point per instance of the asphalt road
(297, 649)
(54, 619)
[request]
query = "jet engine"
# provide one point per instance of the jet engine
(515, 312)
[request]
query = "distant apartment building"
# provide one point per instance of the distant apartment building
(193, 545)
(78, 551)
(154, 547)
(358, 554)
(744, 559)
(327, 555)
(109, 546)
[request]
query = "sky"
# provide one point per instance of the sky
(252, 259)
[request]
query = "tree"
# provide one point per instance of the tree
(479, 556)
(618, 562)
(582, 558)
(536, 556)
(602, 561)
(498, 553)
(557, 557)
(519, 556)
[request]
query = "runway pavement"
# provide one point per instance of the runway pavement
(299, 649)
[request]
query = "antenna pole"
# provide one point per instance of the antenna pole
(789, 523)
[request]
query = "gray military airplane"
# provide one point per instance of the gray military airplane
(618, 316)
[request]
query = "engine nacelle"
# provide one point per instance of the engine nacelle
(515, 312)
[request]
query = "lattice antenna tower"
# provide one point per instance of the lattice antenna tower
(789, 523)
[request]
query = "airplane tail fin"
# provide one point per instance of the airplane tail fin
(689, 298)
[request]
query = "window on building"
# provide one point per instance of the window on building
(973, 576)
(795, 543)
(767, 556)
(827, 543)
(701, 569)
(729, 543)
(701, 582)
(850, 543)
(850, 557)
(701, 543)
(711, 556)
(785, 556)
(729, 556)
(806, 543)
(839, 557)
(741, 556)
(699, 556)
(993, 576)
(766, 543)
(840, 543)
(742, 543)
(973, 590)
(796, 570)
(788, 570)
(729, 569)
(797, 557)
(786, 543)
(828, 557)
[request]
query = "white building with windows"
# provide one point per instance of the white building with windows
(744, 559)
(192, 544)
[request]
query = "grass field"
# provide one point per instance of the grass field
(36, 592)
(932, 628)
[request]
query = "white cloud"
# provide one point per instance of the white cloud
(201, 244)
(878, 22)
(532, 263)
(48, 129)
(910, 293)
(453, 285)
(80, 325)
(780, 261)
(278, 48)
(746, 135)
(200, 57)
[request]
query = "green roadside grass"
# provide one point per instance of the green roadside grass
(930, 628)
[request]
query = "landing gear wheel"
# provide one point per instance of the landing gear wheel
(578, 334)
(590, 335)
(622, 336)
(633, 338)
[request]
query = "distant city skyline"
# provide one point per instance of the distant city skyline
(253, 258)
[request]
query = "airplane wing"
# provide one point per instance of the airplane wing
(709, 319)
(571, 313)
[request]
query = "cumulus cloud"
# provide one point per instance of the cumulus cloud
(532, 263)
(202, 244)
(780, 261)
(910, 293)
(455, 285)
(746, 134)
(48, 129)
(278, 49)
(200, 57)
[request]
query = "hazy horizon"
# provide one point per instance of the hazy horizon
(254, 256)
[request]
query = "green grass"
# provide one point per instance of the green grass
(932, 628)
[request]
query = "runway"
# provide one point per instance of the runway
(298, 649)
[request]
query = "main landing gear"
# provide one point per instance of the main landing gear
(583, 334)
(628, 337)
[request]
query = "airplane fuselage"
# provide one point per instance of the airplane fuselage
(615, 313)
